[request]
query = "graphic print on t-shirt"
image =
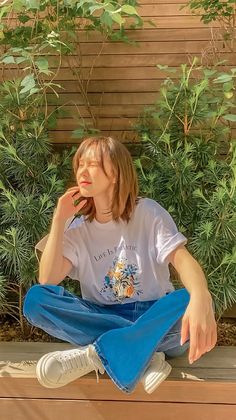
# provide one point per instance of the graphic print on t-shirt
(121, 281)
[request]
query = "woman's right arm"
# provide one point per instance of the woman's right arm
(54, 267)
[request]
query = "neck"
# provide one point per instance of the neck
(103, 208)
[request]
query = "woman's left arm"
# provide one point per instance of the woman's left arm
(199, 320)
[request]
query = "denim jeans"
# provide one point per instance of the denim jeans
(125, 335)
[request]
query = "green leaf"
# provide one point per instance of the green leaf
(8, 60)
(34, 90)
(228, 86)
(229, 117)
(116, 17)
(167, 68)
(32, 4)
(20, 60)
(129, 10)
(223, 78)
(24, 18)
(27, 79)
(42, 64)
(28, 82)
(95, 7)
(209, 73)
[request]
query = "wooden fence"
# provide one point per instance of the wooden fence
(119, 79)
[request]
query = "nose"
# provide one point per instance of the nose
(82, 171)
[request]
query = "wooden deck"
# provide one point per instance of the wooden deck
(205, 390)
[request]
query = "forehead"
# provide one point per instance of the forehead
(94, 152)
(91, 152)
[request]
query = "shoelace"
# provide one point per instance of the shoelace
(70, 362)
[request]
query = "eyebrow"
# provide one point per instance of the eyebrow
(89, 160)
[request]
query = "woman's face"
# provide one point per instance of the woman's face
(90, 176)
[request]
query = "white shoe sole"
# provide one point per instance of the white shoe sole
(158, 378)
(40, 373)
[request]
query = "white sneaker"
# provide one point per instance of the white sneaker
(58, 368)
(156, 373)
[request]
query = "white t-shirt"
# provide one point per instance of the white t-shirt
(120, 262)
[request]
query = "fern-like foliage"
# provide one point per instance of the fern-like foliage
(189, 167)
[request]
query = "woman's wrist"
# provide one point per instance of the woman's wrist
(201, 295)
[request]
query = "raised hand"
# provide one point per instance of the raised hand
(69, 204)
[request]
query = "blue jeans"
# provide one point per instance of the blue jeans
(125, 335)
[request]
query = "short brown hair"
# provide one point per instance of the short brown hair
(125, 193)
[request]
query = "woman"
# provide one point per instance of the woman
(129, 317)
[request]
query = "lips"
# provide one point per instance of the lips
(85, 183)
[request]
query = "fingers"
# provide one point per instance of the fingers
(184, 331)
(72, 191)
(201, 341)
(193, 344)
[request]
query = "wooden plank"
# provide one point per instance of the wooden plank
(108, 74)
(87, 388)
(163, 1)
(168, 21)
(167, 9)
(19, 359)
(102, 123)
(144, 9)
(220, 356)
(115, 86)
(172, 47)
(64, 137)
(142, 60)
(103, 111)
(177, 34)
(105, 410)
(119, 98)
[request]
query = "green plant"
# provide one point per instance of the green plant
(32, 177)
(35, 37)
(188, 165)
(223, 12)
(44, 35)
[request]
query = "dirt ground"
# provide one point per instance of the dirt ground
(10, 331)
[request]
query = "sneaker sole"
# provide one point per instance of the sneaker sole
(40, 373)
(157, 380)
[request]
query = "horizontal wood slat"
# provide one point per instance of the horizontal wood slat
(147, 47)
(147, 60)
(161, 35)
(106, 410)
(178, 21)
(125, 135)
(114, 86)
(147, 9)
(106, 111)
(106, 98)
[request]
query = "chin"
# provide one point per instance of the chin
(86, 194)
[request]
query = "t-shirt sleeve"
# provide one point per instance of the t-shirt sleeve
(70, 251)
(167, 236)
